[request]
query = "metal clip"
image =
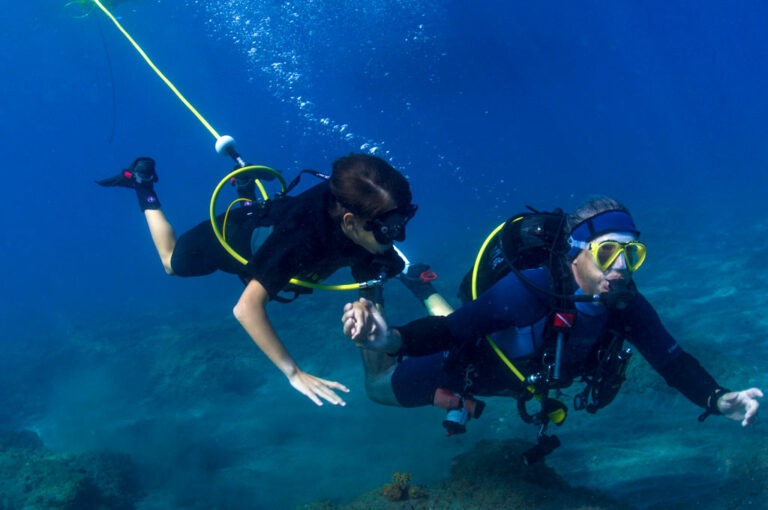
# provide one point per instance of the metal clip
(371, 283)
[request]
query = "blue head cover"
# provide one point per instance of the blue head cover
(597, 225)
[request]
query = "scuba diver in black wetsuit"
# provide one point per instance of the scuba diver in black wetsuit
(350, 220)
(548, 325)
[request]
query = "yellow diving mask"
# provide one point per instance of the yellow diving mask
(606, 253)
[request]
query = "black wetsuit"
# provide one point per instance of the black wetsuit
(305, 243)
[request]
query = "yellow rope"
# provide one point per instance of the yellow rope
(157, 71)
(221, 237)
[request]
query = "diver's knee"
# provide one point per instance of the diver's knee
(380, 390)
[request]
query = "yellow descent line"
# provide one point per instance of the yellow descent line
(157, 71)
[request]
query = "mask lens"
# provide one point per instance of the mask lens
(390, 226)
(387, 234)
(635, 253)
(606, 253)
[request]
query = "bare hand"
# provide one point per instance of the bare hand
(740, 405)
(358, 320)
(366, 326)
(315, 388)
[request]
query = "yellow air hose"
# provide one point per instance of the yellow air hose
(225, 146)
(475, 271)
(557, 415)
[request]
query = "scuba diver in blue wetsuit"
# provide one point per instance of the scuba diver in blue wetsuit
(564, 316)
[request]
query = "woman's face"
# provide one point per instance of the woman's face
(354, 228)
(593, 281)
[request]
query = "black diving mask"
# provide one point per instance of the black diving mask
(390, 226)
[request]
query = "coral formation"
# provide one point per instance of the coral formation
(400, 488)
(397, 489)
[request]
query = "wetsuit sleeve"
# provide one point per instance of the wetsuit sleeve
(678, 368)
(509, 302)
(685, 374)
(426, 336)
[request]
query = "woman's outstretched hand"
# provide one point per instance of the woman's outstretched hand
(315, 388)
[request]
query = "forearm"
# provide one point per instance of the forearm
(251, 314)
(264, 336)
(685, 374)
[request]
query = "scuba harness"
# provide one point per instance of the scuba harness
(532, 240)
(255, 174)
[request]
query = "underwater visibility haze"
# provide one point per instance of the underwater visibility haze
(146, 388)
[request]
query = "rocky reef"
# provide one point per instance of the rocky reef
(490, 476)
(33, 477)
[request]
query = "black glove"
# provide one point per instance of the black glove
(418, 279)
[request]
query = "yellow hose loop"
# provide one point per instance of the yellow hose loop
(222, 239)
(263, 191)
(156, 70)
(226, 215)
(475, 271)
(479, 258)
(215, 196)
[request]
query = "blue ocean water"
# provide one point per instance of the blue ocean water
(486, 106)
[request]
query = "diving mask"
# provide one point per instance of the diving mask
(606, 253)
(390, 226)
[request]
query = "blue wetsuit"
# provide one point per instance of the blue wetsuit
(441, 349)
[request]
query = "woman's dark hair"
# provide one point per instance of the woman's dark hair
(367, 186)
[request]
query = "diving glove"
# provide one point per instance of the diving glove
(140, 176)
